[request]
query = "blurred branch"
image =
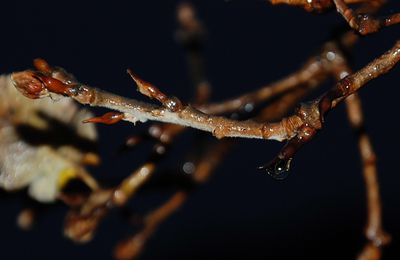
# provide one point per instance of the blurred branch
(374, 230)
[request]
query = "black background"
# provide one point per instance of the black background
(318, 212)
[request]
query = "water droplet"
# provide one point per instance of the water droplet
(189, 167)
(160, 149)
(173, 104)
(330, 55)
(343, 74)
(278, 168)
(248, 107)
(155, 131)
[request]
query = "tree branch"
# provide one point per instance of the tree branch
(364, 23)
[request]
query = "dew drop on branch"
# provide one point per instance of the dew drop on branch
(279, 169)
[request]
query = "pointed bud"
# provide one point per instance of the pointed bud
(108, 118)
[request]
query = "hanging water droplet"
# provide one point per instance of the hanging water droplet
(278, 168)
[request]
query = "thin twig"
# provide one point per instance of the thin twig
(374, 230)
(310, 74)
(364, 23)
(132, 247)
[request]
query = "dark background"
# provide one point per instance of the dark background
(318, 212)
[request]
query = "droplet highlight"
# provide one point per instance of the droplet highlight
(279, 168)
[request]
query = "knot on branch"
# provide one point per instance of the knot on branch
(366, 24)
(378, 236)
(310, 115)
(344, 87)
(171, 103)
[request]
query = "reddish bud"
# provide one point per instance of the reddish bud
(146, 88)
(171, 103)
(29, 85)
(108, 118)
(55, 85)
